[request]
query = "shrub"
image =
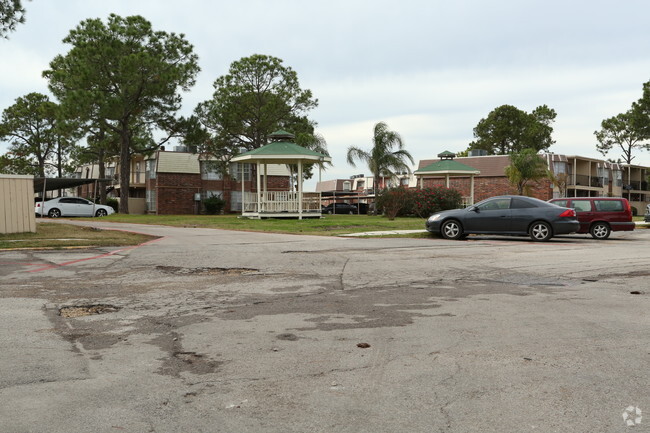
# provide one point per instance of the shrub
(427, 201)
(393, 201)
(112, 202)
(213, 204)
(420, 202)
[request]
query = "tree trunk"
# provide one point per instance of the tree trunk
(102, 175)
(125, 169)
(376, 188)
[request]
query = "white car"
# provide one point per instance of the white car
(71, 206)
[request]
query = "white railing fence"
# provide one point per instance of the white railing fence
(281, 202)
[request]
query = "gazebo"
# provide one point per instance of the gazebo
(447, 167)
(281, 204)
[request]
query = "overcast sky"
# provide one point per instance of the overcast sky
(431, 69)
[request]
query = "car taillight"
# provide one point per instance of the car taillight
(568, 213)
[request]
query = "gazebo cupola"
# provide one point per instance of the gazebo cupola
(447, 167)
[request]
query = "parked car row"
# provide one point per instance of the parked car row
(518, 215)
(71, 206)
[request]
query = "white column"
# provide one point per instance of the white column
(241, 171)
(471, 194)
(259, 189)
(300, 189)
(265, 194)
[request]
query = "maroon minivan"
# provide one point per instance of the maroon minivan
(599, 216)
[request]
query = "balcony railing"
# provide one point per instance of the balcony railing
(638, 186)
(584, 180)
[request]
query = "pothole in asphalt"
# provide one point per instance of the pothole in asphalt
(287, 337)
(87, 310)
(176, 270)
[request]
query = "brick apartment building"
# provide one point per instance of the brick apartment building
(584, 177)
(176, 182)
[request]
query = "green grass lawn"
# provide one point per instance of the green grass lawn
(330, 225)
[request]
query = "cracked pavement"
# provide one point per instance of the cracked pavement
(221, 331)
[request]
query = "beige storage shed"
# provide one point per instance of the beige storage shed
(17, 204)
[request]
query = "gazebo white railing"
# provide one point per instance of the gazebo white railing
(281, 202)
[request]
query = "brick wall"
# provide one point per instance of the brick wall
(490, 186)
(175, 193)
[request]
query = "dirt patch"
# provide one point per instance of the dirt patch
(87, 310)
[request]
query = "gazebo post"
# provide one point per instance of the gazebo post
(241, 171)
(259, 189)
(300, 189)
(265, 194)
(471, 194)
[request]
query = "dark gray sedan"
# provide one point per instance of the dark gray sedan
(505, 215)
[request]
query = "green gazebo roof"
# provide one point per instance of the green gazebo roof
(447, 166)
(281, 151)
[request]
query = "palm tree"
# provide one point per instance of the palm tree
(526, 166)
(382, 160)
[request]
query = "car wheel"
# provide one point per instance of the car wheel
(600, 231)
(451, 229)
(540, 231)
(54, 213)
(351, 212)
(101, 213)
(329, 212)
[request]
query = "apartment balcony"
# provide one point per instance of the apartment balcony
(587, 181)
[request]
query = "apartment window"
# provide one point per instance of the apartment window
(236, 170)
(559, 167)
(210, 171)
(235, 200)
(603, 173)
(617, 175)
(110, 171)
(150, 165)
(208, 194)
(361, 184)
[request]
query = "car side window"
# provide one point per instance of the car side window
(496, 204)
(562, 203)
(582, 205)
(608, 205)
(66, 200)
(518, 203)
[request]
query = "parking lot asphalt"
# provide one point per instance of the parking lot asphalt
(217, 331)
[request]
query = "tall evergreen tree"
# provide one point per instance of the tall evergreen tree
(124, 77)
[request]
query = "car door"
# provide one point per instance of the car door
(84, 207)
(522, 214)
(67, 206)
(490, 216)
(584, 211)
